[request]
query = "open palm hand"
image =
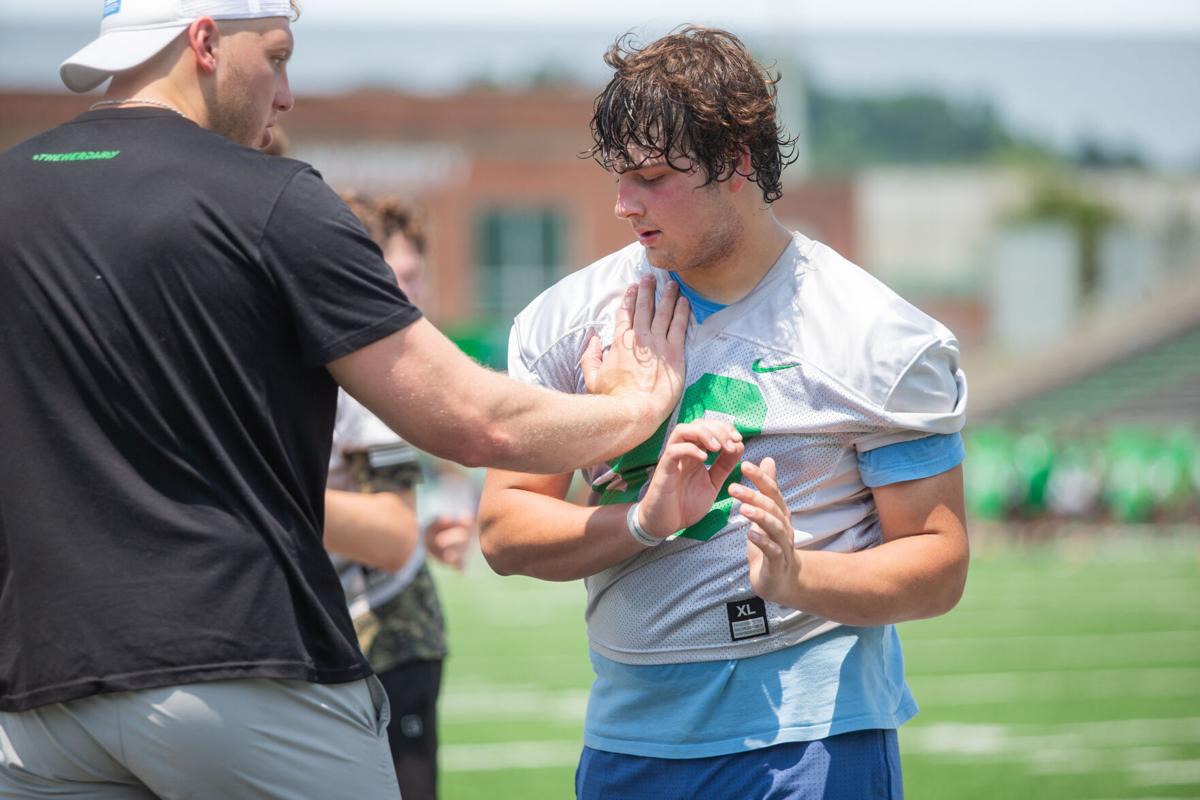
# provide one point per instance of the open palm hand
(684, 487)
(770, 551)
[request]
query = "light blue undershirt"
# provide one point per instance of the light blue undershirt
(909, 461)
(846, 680)
(702, 307)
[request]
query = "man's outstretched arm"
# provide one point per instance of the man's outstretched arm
(424, 388)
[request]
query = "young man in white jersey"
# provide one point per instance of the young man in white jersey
(740, 615)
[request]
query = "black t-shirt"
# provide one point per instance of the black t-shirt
(168, 301)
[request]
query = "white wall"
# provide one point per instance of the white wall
(934, 231)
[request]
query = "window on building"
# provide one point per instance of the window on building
(519, 253)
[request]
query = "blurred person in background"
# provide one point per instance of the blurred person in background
(372, 527)
(178, 311)
(742, 633)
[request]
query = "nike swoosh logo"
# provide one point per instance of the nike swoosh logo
(756, 366)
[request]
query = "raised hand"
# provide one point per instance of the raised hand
(770, 549)
(683, 488)
(448, 539)
(646, 356)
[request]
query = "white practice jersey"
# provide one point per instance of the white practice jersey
(819, 362)
(356, 428)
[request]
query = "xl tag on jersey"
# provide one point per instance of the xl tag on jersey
(747, 618)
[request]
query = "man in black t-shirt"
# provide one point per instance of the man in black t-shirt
(178, 310)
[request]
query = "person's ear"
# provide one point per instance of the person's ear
(742, 169)
(202, 37)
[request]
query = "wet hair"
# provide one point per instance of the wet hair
(696, 94)
(385, 216)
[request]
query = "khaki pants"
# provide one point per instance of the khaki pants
(224, 740)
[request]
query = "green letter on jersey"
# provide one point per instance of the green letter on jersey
(633, 468)
(740, 401)
(743, 403)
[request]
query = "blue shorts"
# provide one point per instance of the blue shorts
(861, 765)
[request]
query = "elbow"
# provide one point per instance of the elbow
(497, 556)
(958, 587)
(950, 576)
(508, 557)
(945, 601)
(396, 556)
(949, 592)
(957, 581)
(393, 561)
(394, 552)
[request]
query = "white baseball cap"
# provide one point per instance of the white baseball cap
(134, 31)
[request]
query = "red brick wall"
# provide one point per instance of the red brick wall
(522, 148)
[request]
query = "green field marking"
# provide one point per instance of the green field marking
(527, 784)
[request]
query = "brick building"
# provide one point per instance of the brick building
(509, 204)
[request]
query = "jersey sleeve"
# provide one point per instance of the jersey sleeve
(333, 280)
(556, 367)
(929, 398)
(911, 460)
(520, 360)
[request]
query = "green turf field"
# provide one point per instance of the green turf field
(1070, 671)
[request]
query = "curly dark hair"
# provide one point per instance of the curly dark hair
(696, 93)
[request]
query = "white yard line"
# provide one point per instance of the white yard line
(1168, 773)
(464, 702)
(949, 738)
(1108, 641)
(986, 688)
(1140, 748)
(477, 704)
(508, 755)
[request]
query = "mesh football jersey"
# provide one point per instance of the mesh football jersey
(820, 361)
(356, 428)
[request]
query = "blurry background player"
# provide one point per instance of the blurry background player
(742, 632)
(371, 523)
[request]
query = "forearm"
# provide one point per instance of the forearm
(537, 430)
(424, 388)
(378, 529)
(526, 533)
(913, 577)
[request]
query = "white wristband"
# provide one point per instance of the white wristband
(637, 531)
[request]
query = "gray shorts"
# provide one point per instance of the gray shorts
(221, 740)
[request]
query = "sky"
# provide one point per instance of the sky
(927, 16)
(1116, 71)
